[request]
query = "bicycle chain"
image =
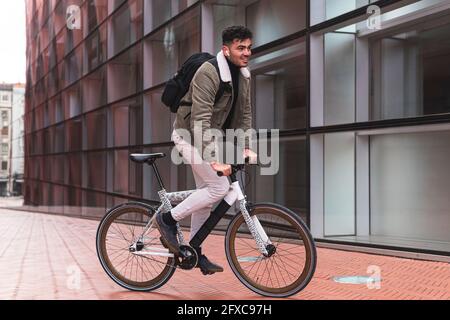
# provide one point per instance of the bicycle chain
(166, 264)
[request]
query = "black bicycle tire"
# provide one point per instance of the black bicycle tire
(108, 215)
(305, 230)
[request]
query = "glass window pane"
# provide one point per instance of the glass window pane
(96, 170)
(95, 49)
(52, 82)
(73, 171)
(121, 166)
(60, 40)
(59, 16)
(340, 78)
(47, 168)
(409, 183)
(271, 20)
(58, 169)
(93, 204)
(280, 88)
(73, 135)
(290, 184)
(114, 4)
(328, 9)
(336, 8)
(125, 26)
(59, 138)
(95, 11)
(127, 123)
(159, 11)
(48, 141)
(74, 66)
(42, 195)
(57, 205)
(96, 129)
(72, 201)
(120, 125)
(94, 90)
(158, 126)
(339, 184)
(125, 74)
(62, 83)
(38, 149)
(166, 50)
(72, 101)
(411, 76)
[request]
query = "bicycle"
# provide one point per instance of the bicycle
(268, 247)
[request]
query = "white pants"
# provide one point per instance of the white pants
(210, 187)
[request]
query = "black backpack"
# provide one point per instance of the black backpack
(177, 87)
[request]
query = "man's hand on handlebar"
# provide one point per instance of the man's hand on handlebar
(250, 156)
(220, 167)
(227, 170)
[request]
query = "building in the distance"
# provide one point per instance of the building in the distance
(11, 134)
(16, 167)
(6, 98)
(359, 93)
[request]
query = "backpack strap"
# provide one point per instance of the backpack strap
(221, 89)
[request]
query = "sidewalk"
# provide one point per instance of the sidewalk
(43, 257)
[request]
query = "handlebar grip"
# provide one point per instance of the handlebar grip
(220, 173)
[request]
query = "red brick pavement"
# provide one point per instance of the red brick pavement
(39, 254)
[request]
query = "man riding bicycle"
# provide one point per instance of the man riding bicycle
(199, 106)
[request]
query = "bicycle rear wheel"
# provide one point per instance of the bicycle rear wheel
(134, 260)
(292, 264)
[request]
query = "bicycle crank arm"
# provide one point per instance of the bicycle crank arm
(154, 252)
(149, 253)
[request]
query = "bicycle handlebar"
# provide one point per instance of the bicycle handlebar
(235, 167)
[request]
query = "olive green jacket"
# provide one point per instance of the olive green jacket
(202, 95)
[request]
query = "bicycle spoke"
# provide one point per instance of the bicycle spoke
(247, 252)
(118, 247)
(286, 257)
(283, 264)
(146, 266)
(121, 230)
(267, 273)
(128, 261)
(116, 256)
(248, 245)
(276, 276)
(283, 273)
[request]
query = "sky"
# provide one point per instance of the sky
(12, 41)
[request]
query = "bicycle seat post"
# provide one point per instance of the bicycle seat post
(158, 177)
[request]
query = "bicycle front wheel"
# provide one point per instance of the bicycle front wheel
(132, 255)
(290, 266)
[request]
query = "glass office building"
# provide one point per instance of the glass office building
(359, 93)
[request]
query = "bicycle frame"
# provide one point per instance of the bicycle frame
(235, 194)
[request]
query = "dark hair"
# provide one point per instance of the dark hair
(235, 32)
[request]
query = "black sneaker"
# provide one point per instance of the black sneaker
(168, 234)
(206, 267)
